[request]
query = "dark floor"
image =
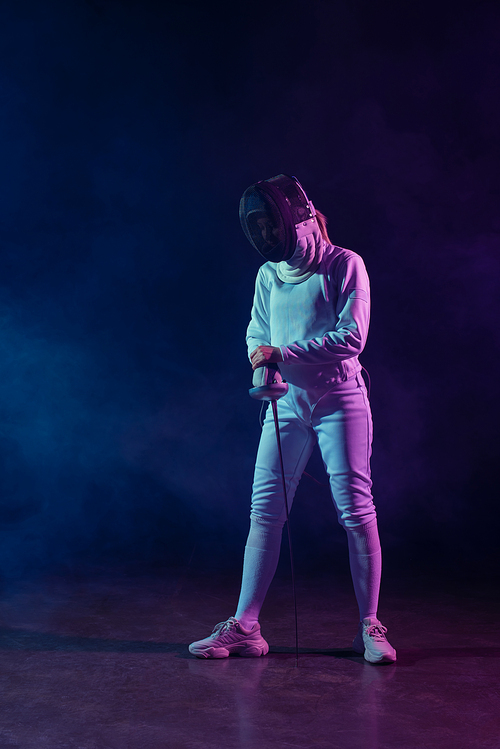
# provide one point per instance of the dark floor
(102, 662)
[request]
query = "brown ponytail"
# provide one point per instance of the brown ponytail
(322, 222)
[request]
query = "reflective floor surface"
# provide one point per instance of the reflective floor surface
(101, 661)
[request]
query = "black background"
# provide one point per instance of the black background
(128, 131)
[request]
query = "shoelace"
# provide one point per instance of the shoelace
(376, 632)
(224, 626)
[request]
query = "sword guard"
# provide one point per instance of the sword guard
(268, 384)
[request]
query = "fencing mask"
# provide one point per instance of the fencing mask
(274, 214)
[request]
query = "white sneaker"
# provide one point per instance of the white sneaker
(230, 637)
(372, 642)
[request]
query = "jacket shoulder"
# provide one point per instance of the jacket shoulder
(266, 274)
(335, 256)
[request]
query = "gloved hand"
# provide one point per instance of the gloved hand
(263, 355)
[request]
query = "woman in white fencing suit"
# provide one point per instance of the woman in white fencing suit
(310, 316)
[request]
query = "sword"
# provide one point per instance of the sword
(268, 385)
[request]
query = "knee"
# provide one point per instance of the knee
(268, 508)
(267, 523)
(357, 518)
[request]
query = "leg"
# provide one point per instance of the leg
(262, 552)
(343, 424)
(268, 508)
(342, 421)
(297, 441)
(241, 634)
(365, 559)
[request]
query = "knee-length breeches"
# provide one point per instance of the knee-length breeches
(341, 422)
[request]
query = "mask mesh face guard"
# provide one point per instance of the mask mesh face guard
(274, 214)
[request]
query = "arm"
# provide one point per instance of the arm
(260, 350)
(258, 331)
(348, 337)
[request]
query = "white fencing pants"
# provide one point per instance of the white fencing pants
(341, 423)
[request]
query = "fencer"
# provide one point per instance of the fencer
(310, 316)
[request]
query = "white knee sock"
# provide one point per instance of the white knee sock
(365, 559)
(262, 552)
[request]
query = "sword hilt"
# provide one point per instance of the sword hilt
(268, 383)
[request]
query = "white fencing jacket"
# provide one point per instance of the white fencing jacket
(320, 324)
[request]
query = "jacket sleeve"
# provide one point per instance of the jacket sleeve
(258, 331)
(348, 337)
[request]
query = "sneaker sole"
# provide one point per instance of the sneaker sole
(246, 651)
(383, 659)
